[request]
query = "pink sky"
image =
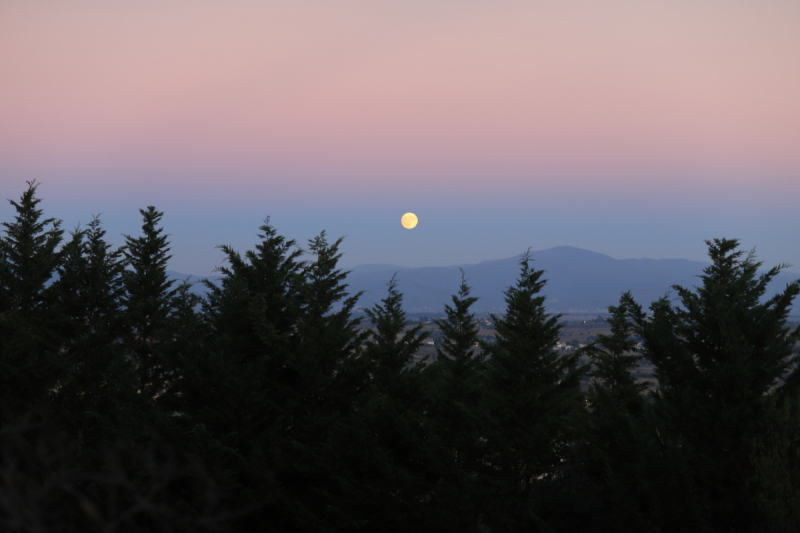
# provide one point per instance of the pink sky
(493, 100)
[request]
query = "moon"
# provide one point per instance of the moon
(409, 220)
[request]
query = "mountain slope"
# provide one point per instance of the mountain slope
(579, 281)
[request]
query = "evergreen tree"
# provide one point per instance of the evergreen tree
(617, 420)
(615, 356)
(534, 400)
(391, 347)
(456, 384)
(233, 393)
(718, 355)
(257, 302)
(329, 340)
(317, 411)
(392, 463)
(30, 366)
(147, 302)
(90, 291)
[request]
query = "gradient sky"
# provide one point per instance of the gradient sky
(630, 128)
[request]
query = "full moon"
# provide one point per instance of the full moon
(409, 220)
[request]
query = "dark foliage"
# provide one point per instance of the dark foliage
(534, 402)
(30, 363)
(719, 356)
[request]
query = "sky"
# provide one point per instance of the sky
(630, 128)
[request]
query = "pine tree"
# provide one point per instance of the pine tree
(535, 403)
(30, 366)
(719, 355)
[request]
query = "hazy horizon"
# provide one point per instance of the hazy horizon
(344, 265)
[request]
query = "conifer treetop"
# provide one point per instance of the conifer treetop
(459, 329)
(28, 256)
(725, 325)
(615, 355)
(389, 319)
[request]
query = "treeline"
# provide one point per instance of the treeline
(130, 404)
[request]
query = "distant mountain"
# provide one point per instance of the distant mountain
(578, 281)
(377, 267)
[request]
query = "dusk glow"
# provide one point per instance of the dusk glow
(628, 128)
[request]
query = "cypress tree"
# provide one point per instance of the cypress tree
(329, 340)
(233, 393)
(391, 347)
(719, 356)
(147, 302)
(618, 416)
(455, 388)
(534, 399)
(256, 305)
(90, 290)
(30, 366)
(317, 410)
(254, 312)
(615, 356)
(393, 460)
